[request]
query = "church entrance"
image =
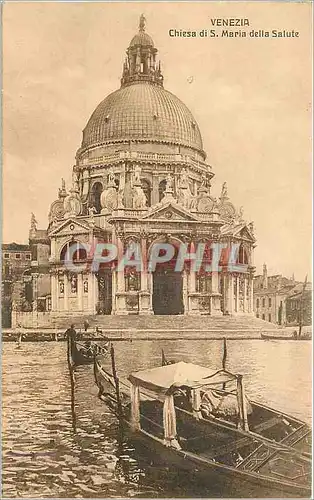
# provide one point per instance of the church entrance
(104, 293)
(167, 292)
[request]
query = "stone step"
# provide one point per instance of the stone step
(167, 323)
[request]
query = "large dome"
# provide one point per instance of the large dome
(142, 112)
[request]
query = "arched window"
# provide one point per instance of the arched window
(162, 188)
(147, 190)
(77, 252)
(95, 197)
(257, 303)
(242, 255)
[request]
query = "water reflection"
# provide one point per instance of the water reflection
(63, 442)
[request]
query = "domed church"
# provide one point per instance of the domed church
(141, 176)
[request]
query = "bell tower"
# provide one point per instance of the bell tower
(141, 61)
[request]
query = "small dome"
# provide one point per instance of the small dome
(142, 39)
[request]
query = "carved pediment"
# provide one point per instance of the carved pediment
(70, 227)
(241, 231)
(246, 233)
(170, 212)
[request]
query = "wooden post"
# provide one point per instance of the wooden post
(72, 382)
(163, 358)
(242, 404)
(135, 407)
(224, 357)
(116, 380)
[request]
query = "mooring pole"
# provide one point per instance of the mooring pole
(224, 356)
(72, 382)
(116, 379)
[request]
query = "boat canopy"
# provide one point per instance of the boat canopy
(163, 379)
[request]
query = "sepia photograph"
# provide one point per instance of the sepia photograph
(156, 249)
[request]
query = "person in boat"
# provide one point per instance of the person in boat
(88, 349)
(86, 325)
(70, 333)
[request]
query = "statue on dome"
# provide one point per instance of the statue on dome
(111, 178)
(137, 176)
(72, 204)
(75, 180)
(142, 22)
(224, 192)
(184, 180)
(139, 198)
(33, 223)
(169, 184)
(92, 211)
(62, 191)
(120, 199)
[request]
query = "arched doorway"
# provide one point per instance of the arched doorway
(161, 189)
(168, 288)
(147, 190)
(167, 292)
(95, 197)
(104, 305)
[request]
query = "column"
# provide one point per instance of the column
(193, 300)
(95, 292)
(151, 288)
(54, 292)
(90, 293)
(66, 292)
(155, 192)
(185, 291)
(215, 296)
(120, 274)
(231, 294)
(144, 294)
(80, 291)
(192, 276)
(251, 296)
(245, 301)
(53, 249)
(144, 276)
(237, 293)
(114, 290)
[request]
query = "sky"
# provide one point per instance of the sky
(251, 98)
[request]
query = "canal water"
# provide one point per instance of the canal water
(54, 449)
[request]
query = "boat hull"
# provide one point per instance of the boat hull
(75, 355)
(265, 336)
(229, 482)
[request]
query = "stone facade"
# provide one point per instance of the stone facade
(277, 299)
(141, 176)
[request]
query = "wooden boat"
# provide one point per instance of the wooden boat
(162, 409)
(304, 336)
(81, 354)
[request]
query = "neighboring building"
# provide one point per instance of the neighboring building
(16, 259)
(299, 301)
(141, 176)
(276, 297)
(25, 275)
